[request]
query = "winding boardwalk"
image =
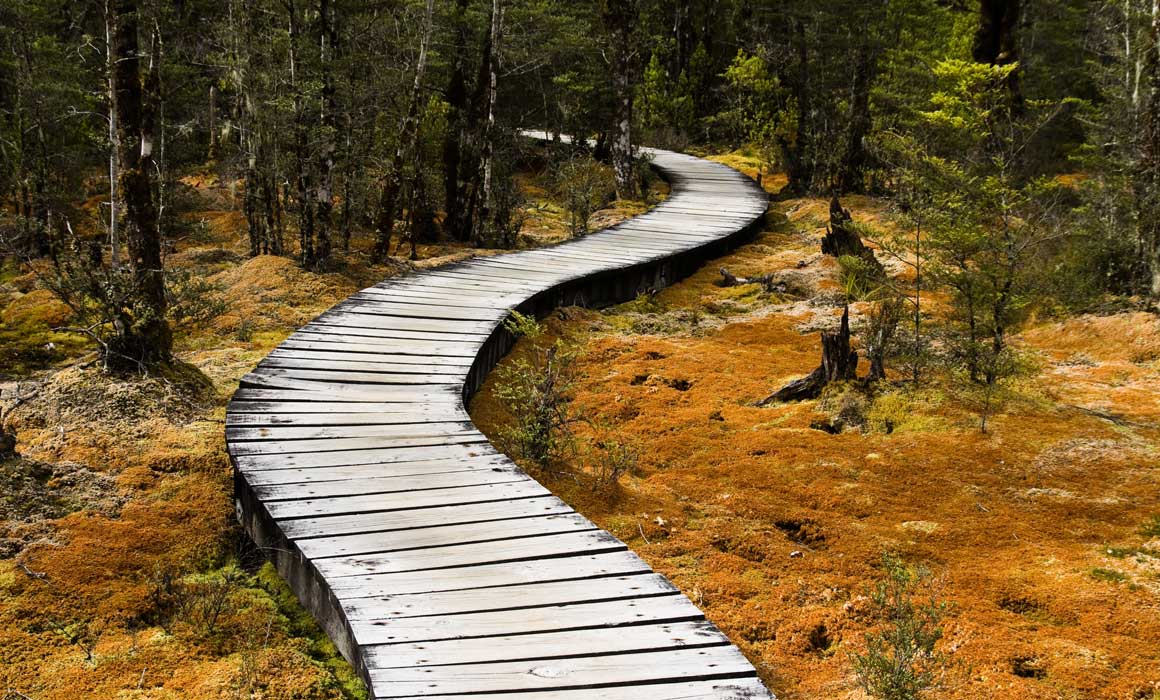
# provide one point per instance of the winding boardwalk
(435, 564)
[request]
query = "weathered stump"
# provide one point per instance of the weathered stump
(839, 363)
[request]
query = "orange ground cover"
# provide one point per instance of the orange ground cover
(1033, 531)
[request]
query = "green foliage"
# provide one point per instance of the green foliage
(583, 185)
(901, 661)
(534, 390)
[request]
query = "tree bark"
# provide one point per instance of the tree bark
(324, 195)
(143, 335)
(389, 198)
(619, 21)
(456, 116)
(487, 141)
(1149, 193)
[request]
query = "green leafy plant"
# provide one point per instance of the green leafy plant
(534, 389)
(901, 661)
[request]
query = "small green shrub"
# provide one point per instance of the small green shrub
(534, 389)
(583, 186)
(901, 661)
(1108, 575)
(1151, 528)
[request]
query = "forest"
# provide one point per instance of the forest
(902, 441)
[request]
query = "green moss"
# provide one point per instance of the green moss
(301, 624)
(1151, 528)
(1108, 575)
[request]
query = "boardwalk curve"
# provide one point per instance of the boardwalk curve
(435, 564)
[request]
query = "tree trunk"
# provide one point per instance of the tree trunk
(456, 115)
(114, 147)
(1149, 189)
(851, 176)
(799, 154)
(487, 150)
(996, 41)
(389, 199)
(143, 335)
(302, 179)
(839, 363)
(619, 20)
(327, 45)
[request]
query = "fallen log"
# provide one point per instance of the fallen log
(767, 281)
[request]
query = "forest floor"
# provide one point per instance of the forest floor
(122, 571)
(1044, 533)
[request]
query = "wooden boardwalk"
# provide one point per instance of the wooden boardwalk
(435, 564)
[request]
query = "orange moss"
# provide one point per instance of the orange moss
(776, 529)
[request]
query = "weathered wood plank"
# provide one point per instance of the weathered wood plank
(524, 549)
(725, 689)
(670, 608)
(582, 672)
(545, 645)
(535, 595)
(335, 525)
(342, 505)
(444, 535)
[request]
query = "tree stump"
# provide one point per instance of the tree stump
(839, 363)
(841, 238)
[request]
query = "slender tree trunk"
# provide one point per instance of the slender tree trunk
(212, 149)
(327, 45)
(487, 155)
(456, 115)
(619, 21)
(1149, 190)
(114, 147)
(389, 200)
(302, 179)
(143, 335)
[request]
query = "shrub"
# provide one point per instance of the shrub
(609, 459)
(534, 390)
(583, 186)
(900, 661)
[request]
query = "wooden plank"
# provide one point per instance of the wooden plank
(352, 444)
(353, 457)
(524, 549)
(343, 505)
(337, 366)
(723, 689)
(581, 672)
(338, 360)
(347, 377)
(428, 517)
(375, 327)
(545, 645)
(398, 488)
(354, 391)
(533, 595)
(396, 416)
(402, 347)
(318, 474)
(670, 608)
(444, 535)
(250, 404)
(283, 433)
